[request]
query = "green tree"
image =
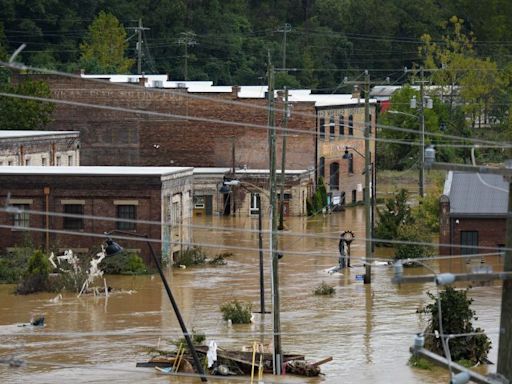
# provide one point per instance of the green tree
(408, 235)
(395, 213)
(104, 46)
(36, 276)
(19, 114)
(457, 317)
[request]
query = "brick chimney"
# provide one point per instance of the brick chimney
(143, 80)
(356, 92)
(234, 91)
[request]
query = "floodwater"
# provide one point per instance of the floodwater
(366, 329)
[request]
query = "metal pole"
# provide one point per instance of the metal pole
(283, 162)
(139, 47)
(422, 127)
(367, 177)
(260, 243)
(277, 355)
(505, 338)
(190, 345)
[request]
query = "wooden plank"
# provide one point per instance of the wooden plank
(320, 362)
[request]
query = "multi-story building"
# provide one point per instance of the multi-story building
(45, 148)
(154, 201)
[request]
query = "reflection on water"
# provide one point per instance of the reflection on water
(367, 329)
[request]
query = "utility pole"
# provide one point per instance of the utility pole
(422, 136)
(505, 338)
(283, 161)
(139, 30)
(276, 316)
(187, 39)
(284, 29)
(368, 202)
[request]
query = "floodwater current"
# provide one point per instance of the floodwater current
(367, 329)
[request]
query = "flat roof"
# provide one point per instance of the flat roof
(92, 171)
(8, 134)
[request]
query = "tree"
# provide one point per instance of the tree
(19, 114)
(104, 46)
(395, 213)
(413, 242)
(457, 317)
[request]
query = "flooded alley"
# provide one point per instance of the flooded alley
(367, 329)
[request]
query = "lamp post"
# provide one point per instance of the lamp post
(368, 203)
(113, 248)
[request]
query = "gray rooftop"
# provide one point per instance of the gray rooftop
(473, 194)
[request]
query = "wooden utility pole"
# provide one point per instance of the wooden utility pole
(422, 135)
(283, 161)
(284, 29)
(368, 201)
(187, 39)
(276, 316)
(139, 29)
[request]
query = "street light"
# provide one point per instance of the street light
(368, 203)
(113, 248)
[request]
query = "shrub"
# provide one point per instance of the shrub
(420, 363)
(190, 256)
(239, 312)
(220, 259)
(409, 233)
(35, 278)
(124, 263)
(13, 265)
(324, 289)
(457, 316)
(197, 338)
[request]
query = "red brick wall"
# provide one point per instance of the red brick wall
(99, 194)
(120, 138)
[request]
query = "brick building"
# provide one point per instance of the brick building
(341, 127)
(46, 148)
(159, 194)
(473, 214)
(247, 199)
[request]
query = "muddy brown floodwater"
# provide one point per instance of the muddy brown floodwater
(366, 329)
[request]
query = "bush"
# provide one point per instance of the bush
(13, 265)
(318, 201)
(324, 289)
(457, 316)
(35, 278)
(197, 338)
(190, 256)
(220, 259)
(124, 263)
(420, 363)
(413, 233)
(239, 312)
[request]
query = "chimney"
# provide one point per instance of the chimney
(234, 91)
(143, 80)
(356, 92)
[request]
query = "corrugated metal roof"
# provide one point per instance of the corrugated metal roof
(477, 194)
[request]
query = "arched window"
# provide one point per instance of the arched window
(342, 125)
(332, 127)
(351, 125)
(321, 167)
(334, 176)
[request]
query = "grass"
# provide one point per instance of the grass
(324, 289)
(420, 363)
(239, 312)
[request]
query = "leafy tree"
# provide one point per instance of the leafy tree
(395, 213)
(104, 46)
(19, 114)
(36, 275)
(457, 317)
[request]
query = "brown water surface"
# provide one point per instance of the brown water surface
(366, 329)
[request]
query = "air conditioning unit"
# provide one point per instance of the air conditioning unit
(133, 79)
(158, 84)
(181, 85)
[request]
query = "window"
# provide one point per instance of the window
(199, 202)
(354, 196)
(44, 161)
(27, 161)
(342, 125)
(370, 123)
(73, 223)
(332, 129)
(255, 203)
(59, 161)
(321, 167)
(334, 176)
(9, 162)
(468, 242)
(127, 212)
(70, 160)
(350, 164)
(287, 196)
(21, 218)
(322, 128)
(351, 125)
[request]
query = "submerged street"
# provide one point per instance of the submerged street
(367, 329)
